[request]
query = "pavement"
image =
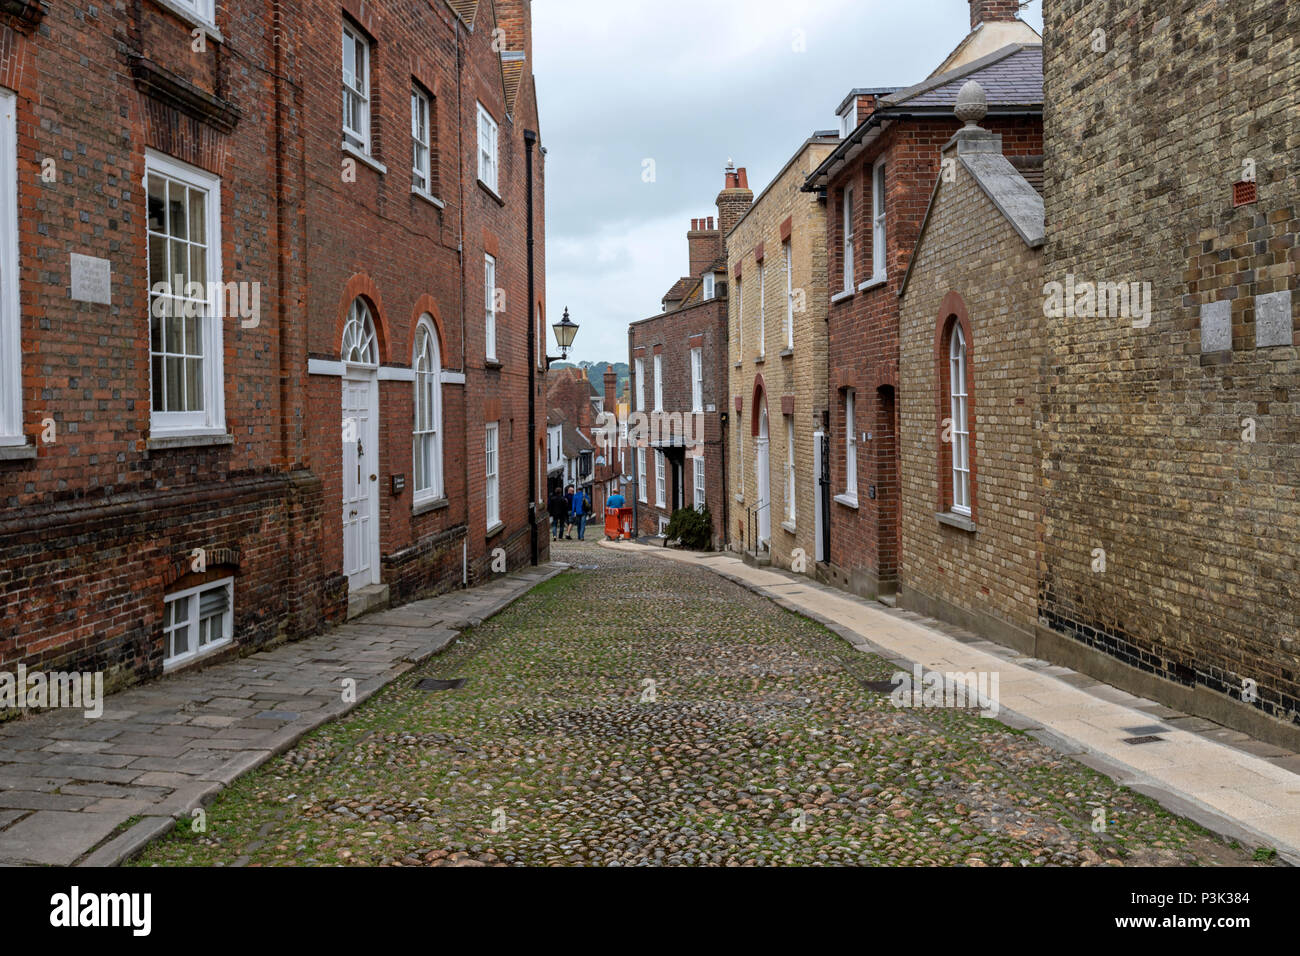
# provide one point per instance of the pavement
(93, 792)
(1237, 787)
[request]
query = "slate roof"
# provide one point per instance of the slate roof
(1012, 76)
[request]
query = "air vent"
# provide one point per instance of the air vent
(1244, 193)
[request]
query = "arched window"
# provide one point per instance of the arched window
(958, 406)
(426, 448)
(359, 344)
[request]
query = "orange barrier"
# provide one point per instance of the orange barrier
(618, 524)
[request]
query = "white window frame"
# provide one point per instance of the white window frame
(203, 11)
(697, 478)
(709, 286)
(789, 469)
(426, 432)
(193, 623)
(661, 480)
(421, 142)
(959, 405)
(541, 338)
(659, 382)
(789, 294)
(492, 473)
(640, 385)
(762, 309)
(850, 446)
(642, 492)
(211, 419)
(488, 136)
(740, 320)
(356, 88)
(879, 256)
(11, 351)
(847, 230)
(490, 307)
(697, 380)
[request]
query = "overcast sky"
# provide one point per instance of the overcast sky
(690, 84)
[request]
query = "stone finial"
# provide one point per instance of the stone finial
(972, 104)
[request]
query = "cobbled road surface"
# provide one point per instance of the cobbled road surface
(634, 711)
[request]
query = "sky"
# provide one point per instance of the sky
(689, 85)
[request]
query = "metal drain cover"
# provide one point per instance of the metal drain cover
(1146, 739)
(431, 684)
(1143, 731)
(879, 686)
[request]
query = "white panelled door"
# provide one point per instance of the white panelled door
(761, 460)
(360, 480)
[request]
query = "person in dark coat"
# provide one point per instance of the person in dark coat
(558, 508)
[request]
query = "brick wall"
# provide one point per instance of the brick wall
(971, 266)
(672, 335)
(863, 336)
(1144, 455)
(793, 379)
(98, 523)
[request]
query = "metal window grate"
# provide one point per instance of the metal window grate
(1244, 193)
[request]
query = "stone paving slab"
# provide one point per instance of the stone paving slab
(69, 783)
(1224, 780)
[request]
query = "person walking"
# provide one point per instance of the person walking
(568, 500)
(581, 509)
(558, 508)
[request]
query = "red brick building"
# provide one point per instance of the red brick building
(877, 185)
(679, 382)
(180, 460)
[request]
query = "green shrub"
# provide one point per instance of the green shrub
(694, 529)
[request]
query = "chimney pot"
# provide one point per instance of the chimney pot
(743, 176)
(988, 11)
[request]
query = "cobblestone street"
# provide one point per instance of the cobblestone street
(636, 711)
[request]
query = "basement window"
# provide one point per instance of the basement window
(197, 622)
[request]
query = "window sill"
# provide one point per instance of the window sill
(164, 441)
(740, 363)
(494, 530)
(17, 452)
(433, 504)
(846, 501)
(788, 526)
(873, 283)
(491, 192)
(844, 296)
(491, 363)
(740, 499)
(190, 659)
(366, 158)
(787, 353)
(190, 17)
(428, 197)
(759, 359)
(954, 520)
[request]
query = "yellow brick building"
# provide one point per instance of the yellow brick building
(776, 258)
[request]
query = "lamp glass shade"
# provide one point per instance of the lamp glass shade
(565, 331)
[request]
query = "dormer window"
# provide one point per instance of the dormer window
(849, 117)
(709, 286)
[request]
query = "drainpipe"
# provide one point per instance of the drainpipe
(636, 451)
(460, 250)
(530, 140)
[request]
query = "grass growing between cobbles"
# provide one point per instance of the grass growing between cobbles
(650, 713)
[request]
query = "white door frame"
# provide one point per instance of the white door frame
(763, 469)
(367, 465)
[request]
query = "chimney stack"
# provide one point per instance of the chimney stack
(611, 380)
(735, 199)
(705, 245)
(989, 11)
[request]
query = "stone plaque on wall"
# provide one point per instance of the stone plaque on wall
(92, 279)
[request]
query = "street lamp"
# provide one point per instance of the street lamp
(565, 330)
